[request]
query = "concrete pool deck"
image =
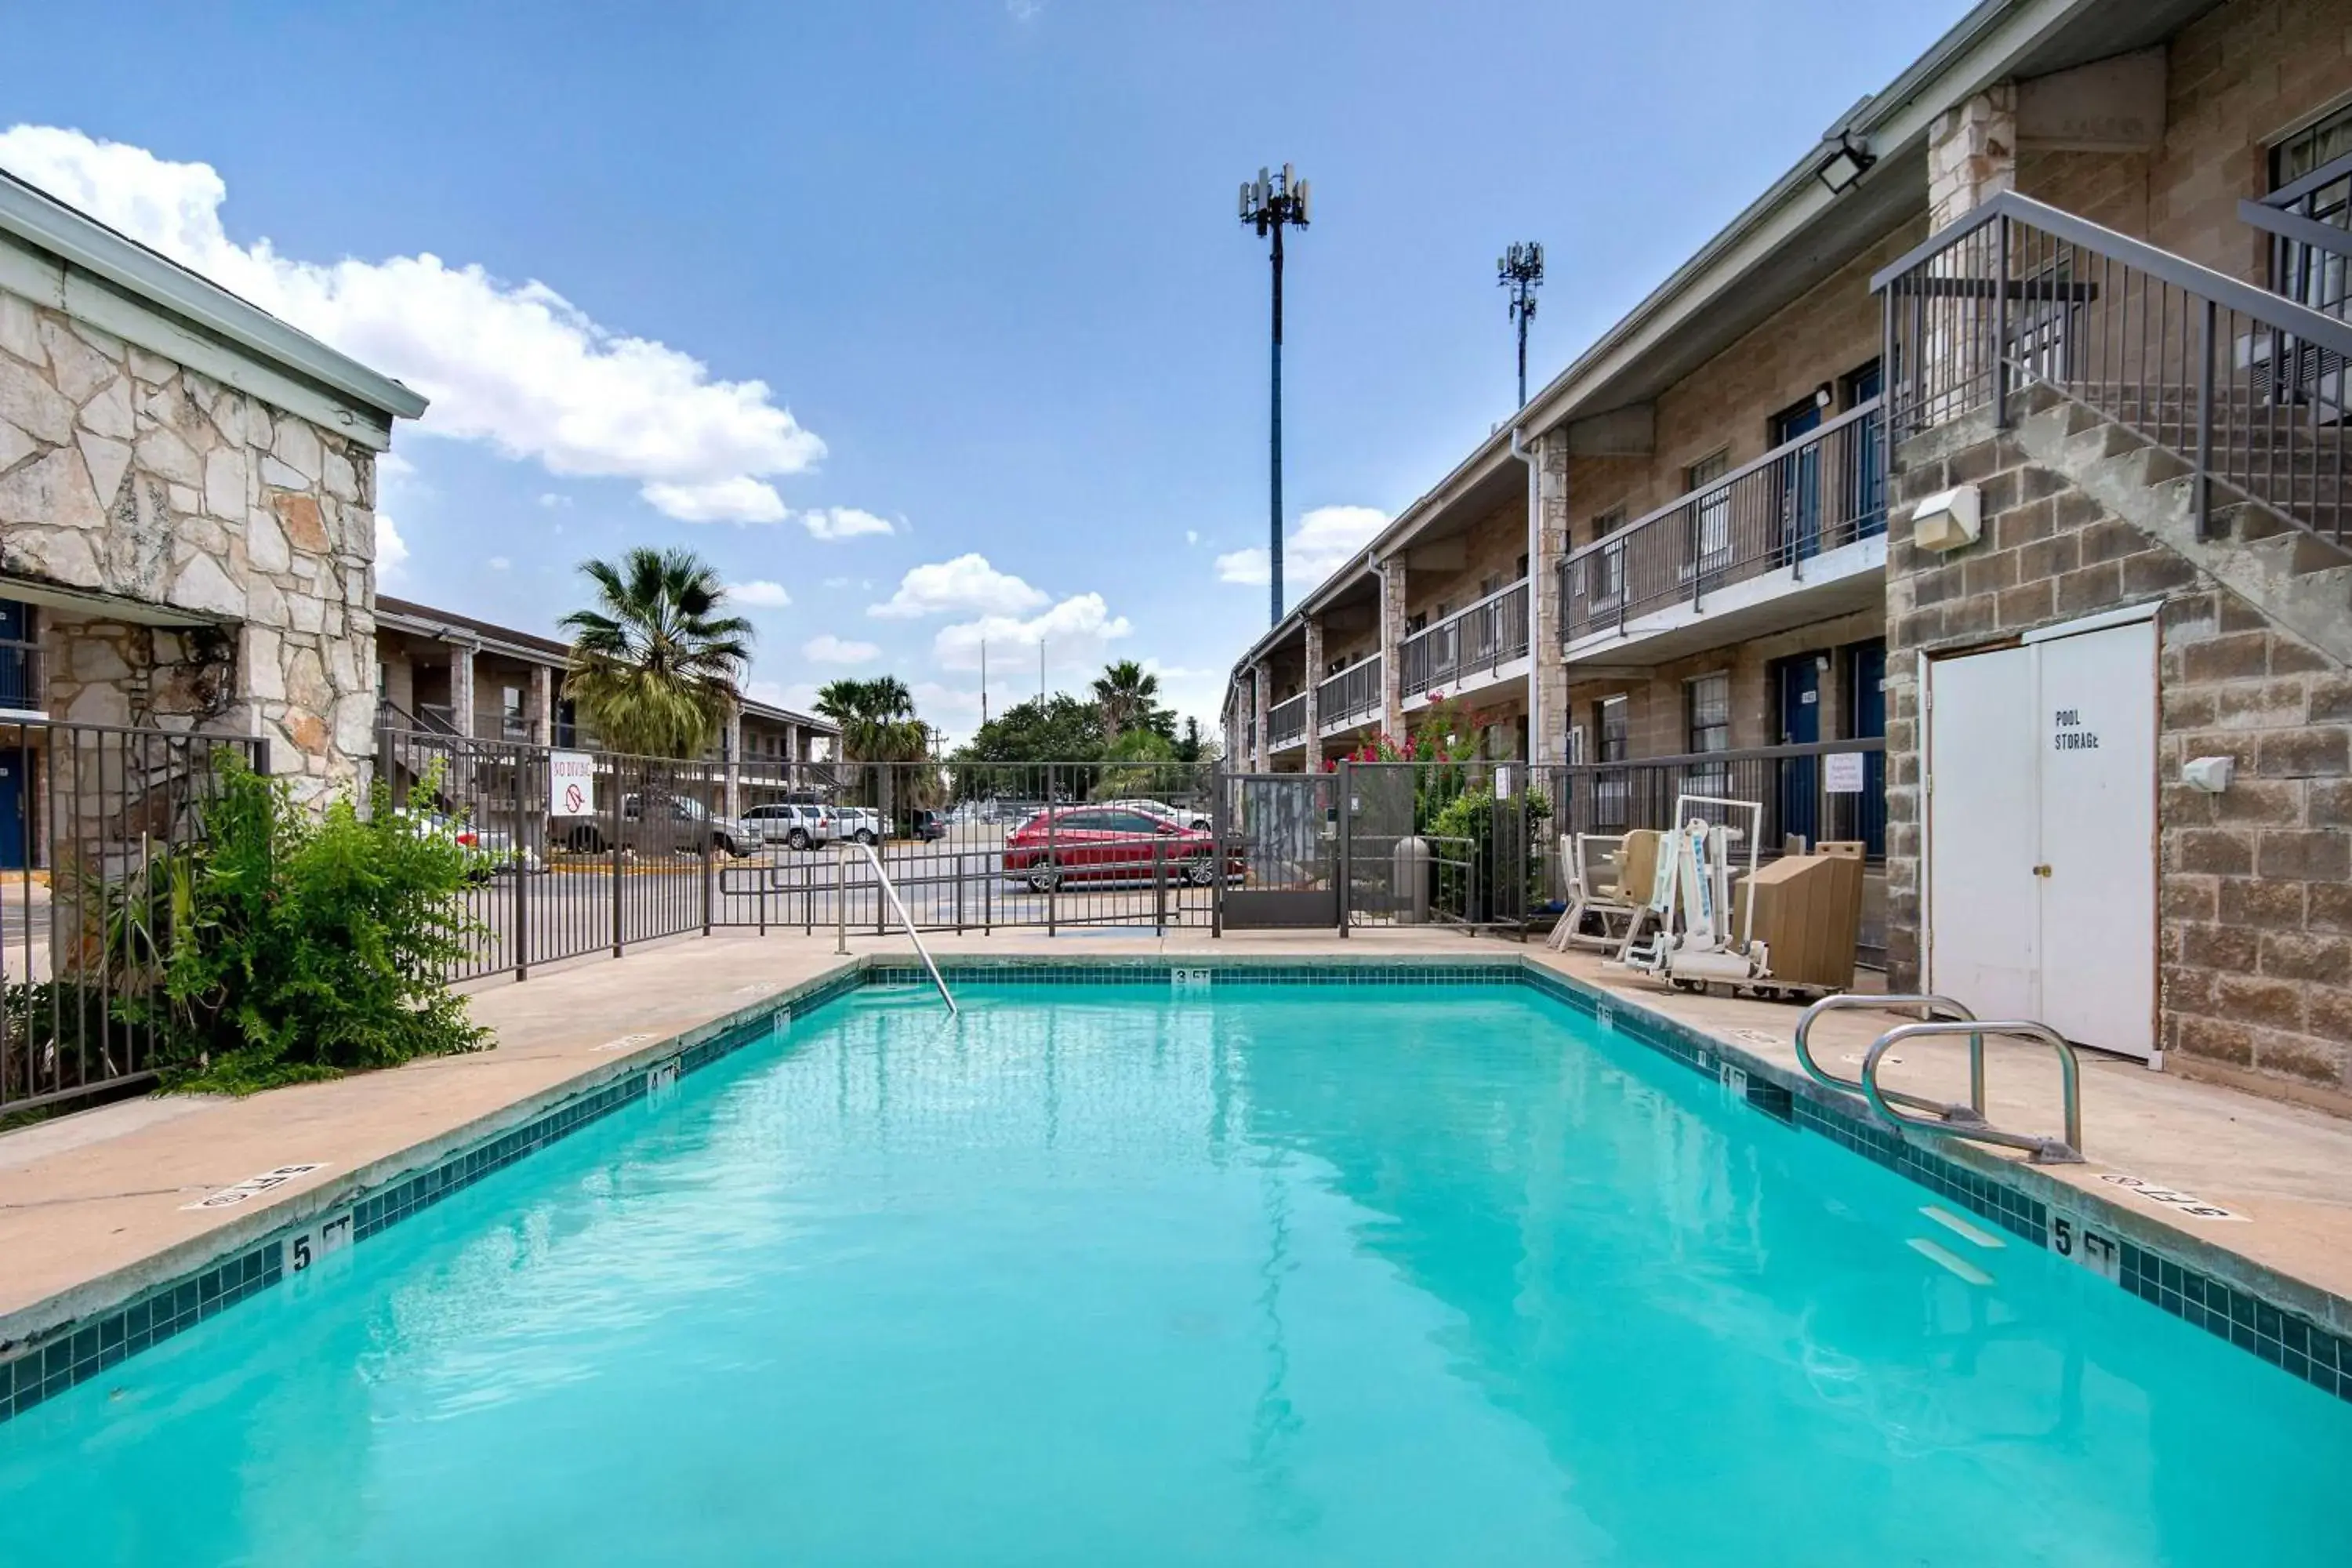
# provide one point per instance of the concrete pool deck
(93, 1206)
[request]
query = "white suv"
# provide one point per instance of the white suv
(800, 826)
(862, 822)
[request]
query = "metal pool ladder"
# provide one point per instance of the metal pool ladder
(1949, 1120)
(890, 891)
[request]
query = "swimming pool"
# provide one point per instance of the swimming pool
(1263, 1274)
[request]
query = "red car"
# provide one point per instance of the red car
(1110, 844)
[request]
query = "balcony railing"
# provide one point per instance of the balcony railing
(1473, 642)
(1285, 723)
(2244, 387)
(1824, 489)
(1349, 696)
(22, 686)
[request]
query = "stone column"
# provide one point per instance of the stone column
(1261, 703)
(542, 704)
(1392, 648)
(1972, 153)
(1314, 760)
(461, 687)
(1547, 671)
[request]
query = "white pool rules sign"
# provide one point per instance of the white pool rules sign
(571, 783)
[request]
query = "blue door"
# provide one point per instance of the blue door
(1800, 482)
(15, 760)
(1799, 685)
(1866, 670)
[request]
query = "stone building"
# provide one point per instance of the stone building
(187, 487)
(1690, 558)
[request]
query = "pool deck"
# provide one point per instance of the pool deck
(93, 1205)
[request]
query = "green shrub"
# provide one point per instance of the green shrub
(302, 945)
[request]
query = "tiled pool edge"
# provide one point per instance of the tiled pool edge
(2309, 1336)
(250, 1253)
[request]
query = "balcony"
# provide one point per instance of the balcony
(1481, 644)
(1796, 535)
(1285, 723)
(1349, 697)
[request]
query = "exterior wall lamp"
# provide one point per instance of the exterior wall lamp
(1847, 162)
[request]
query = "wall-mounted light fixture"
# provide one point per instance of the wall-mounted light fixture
(1848, 160)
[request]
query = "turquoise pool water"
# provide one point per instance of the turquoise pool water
(1430, 1275)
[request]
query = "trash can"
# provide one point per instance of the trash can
(1408, 869)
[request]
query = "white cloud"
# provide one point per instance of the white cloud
(499, 563)
(1075, 632)
(1324, 539)
(514, 365)
(760, 594)
(391, 550)
(843, 522)
(391, 465)
(827, 648)
(738, 499)
(553, 501)
(1191, 536)
(966, 583)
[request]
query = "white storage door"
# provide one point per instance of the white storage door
(2098, 837)
(1984, 947)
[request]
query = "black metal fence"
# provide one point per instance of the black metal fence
(1831, 790)
(90, 816)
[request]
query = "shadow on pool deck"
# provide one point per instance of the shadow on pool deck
(91, 1205)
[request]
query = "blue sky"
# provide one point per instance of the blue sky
(980, 258)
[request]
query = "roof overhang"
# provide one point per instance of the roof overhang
(204, 311)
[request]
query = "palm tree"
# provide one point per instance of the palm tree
(654, 665)
(876, 717)
(1128, 697)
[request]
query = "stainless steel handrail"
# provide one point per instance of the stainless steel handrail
(1971, 1113)
(890, 891)
(2045, 1151)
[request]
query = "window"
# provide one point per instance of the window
(1611, 791)
(1519, 568)
(1413, 626)
(1604, 569)
(1713, 518)
(1610, 722)
(1707, 701)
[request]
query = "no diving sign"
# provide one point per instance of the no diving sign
(571, 783)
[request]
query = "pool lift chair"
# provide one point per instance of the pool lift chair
(1686, 934)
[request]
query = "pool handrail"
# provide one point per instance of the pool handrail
(2044, 1151)
(890, 891)
(1971, 1114)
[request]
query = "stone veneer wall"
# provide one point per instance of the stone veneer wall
(123, 473)
(2256, 883)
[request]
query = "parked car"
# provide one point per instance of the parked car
(1193, 816)
(677, 825)
(862, 822)
(926, 826)
(799, 824)
(488, 850)
(1111, 844)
